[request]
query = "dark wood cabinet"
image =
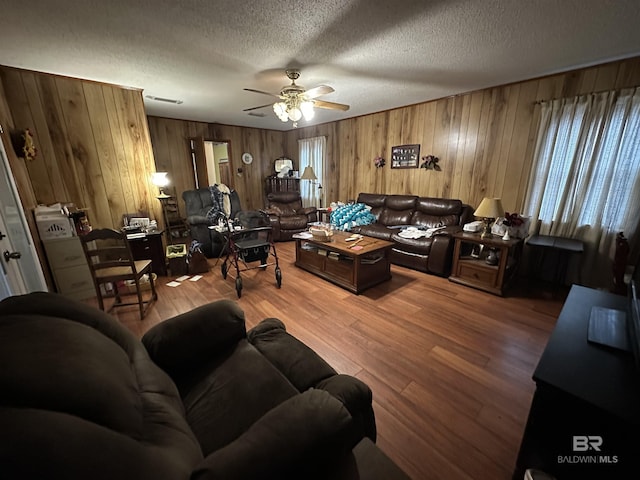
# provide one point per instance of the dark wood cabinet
(585, 414)
(285, 184)
(150, 247)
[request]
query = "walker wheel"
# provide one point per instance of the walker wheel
(278, 277)
(223, 269)
(239, 287)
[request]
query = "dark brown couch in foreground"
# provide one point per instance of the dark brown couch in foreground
(82, 398)
(432, 255)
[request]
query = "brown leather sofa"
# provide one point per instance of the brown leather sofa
(431, 255)
(287, 216)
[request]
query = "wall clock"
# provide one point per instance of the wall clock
(247, 158)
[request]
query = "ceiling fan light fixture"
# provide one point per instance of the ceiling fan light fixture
(280, 109)
(307, 110)
(295, 114)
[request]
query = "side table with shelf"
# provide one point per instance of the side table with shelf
(474, 271)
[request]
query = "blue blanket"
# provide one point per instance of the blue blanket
(346, 217)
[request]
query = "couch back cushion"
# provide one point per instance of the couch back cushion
(373, 200)
(398, 210)
(437, 212)
(224, 401)
(82, 399)
(197, 202)
(286, 203)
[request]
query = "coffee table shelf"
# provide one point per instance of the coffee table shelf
(335, 261)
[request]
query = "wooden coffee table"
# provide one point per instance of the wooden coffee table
(336, 261)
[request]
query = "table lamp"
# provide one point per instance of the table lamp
(489, 209)
(160, 180)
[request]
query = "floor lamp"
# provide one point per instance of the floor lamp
(160, 180)
(310, 175)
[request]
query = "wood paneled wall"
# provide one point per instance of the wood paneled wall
(484, 139)
(93, 145)
(264, 145)
(170, 139)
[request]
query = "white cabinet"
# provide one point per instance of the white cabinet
(69, 267)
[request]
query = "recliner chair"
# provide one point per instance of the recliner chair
(287, 215)
(197, 204)
(199, 398)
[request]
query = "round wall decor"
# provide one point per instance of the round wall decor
(247, 158)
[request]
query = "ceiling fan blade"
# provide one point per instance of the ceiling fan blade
(263, 93)
(331, 105)
(256, 108)
(319, 90)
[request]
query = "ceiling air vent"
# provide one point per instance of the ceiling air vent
(166, 100)
(255, 114)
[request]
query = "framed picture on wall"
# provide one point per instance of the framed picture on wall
(405, 156)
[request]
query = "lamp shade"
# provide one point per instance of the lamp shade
(489, 208)
(308, 174)
(160, 179)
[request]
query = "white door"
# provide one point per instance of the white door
(20, 270)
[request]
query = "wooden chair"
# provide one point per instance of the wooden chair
(111, 262)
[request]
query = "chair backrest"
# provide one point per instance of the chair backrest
(199, 202)
(108, 254)
(286, 202)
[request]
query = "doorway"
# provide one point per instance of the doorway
(217, 155)
(20, 270)
(211, 162)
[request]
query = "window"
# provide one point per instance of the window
(311, 153)
(585, 181)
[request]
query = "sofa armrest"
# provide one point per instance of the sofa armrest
(298, 436)
(184, 342)
(306, 210)
(302, 366)
(274, 221)
(356, 396)
(441, 253)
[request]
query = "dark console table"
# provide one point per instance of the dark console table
(584, 420)
(149, 247)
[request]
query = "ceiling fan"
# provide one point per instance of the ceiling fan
(296, 102)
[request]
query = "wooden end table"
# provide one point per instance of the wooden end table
(473, 271)
(337, 262)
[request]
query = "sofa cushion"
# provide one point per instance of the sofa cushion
(397, 210)
(437, 212)
(375, 230)
(420, 245)
(82, 399)
(232, 394)
(374, 200)
(183, 343)
(293, 440)
(294, 222)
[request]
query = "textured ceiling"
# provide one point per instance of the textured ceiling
(375, 54)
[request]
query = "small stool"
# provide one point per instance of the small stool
(563, 247)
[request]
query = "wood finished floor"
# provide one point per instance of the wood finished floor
(450, 367)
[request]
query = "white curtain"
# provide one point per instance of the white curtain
(311, 153)
(585, 183)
